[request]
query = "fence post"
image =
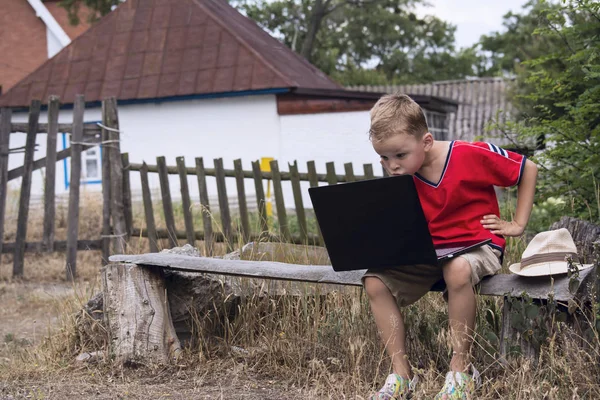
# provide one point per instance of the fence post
(50, 183)
(110, 119)
(206, 216)
(127, 207)
(165, 191)
(148, 210)
(186, 203)
(223, 203)
(5, 117)
(260, 198)
(73, 213)
(279, 202)
(244, 219)
(34, 115)
(106, 230)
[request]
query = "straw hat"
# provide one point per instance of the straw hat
(547, 254)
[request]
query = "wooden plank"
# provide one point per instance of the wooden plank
(279, 202)
(185, 201)
(230, 173)
(5, 117)
(74, 183)
(58, 245)
(88, 129)
(165, 191)
(241, 191)
(41, 163)
(260, 197)
(349, 172)
(206, 215)
(331, 176)
(50, 178)
(223, 203)
(296, 189)
(497, 285)
(148, 210)
(120, 235)
(368, 168)
(19, 255)
(127, 204)
(106, 229)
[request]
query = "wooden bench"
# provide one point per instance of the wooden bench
(138, 317)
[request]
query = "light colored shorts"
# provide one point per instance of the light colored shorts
(411, 282)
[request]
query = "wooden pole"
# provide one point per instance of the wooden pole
(119, 234)
(260, 197)
(280, 202)
(5, 117)
(298, 201)
(127, 206)
(50, 180)
(74, 183)
(105, 150)
(19, 257)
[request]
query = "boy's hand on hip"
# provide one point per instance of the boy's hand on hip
(500, 227)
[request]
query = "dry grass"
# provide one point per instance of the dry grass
(321, 343)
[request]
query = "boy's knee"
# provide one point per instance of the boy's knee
(457, 273)
(375, 288)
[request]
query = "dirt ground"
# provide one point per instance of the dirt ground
(31, 311)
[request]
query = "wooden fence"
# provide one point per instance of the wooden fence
(83, 137)
(244, 233)
(117, 210)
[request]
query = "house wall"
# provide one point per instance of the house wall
(238, 127)
(228, 128)
(339, 137)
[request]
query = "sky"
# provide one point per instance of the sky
(472, 18)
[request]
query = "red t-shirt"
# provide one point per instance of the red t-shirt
(465, 193)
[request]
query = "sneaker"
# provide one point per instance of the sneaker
(459, 386)
(395, 388)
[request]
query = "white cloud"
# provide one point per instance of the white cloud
(472, 18)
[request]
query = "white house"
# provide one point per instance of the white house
(195, 78)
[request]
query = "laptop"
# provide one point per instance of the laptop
(378, 223)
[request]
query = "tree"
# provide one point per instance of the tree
(559, 100)
(365, 41)
(99, 8)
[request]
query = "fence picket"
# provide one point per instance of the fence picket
(314, 182)
(260, 197)
(349, 169)
(111, 120)
(185, 202)
(166, 200)
(5, 117)
(244, 218)
(279, 201)
(73, 213)
(331, 176)
(206, 216)
(148, 210)
(297, 190)
(50, 178)
(127, 206)
(368, 168)
(34, 115)
(223, 203)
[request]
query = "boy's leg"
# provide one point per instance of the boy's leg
(461, 310)
(389, 323)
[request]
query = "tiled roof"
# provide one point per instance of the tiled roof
(479, 101)
(148, 49)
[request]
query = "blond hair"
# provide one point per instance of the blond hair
(394, 114)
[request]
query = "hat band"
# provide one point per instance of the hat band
(548, 257)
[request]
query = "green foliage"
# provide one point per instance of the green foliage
(370, 42)
(558, 99)
(99, 8)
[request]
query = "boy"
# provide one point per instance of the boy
(455, 181)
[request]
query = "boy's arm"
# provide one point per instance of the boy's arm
(525, 193)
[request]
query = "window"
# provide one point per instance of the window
(438, 124)
(91, 161)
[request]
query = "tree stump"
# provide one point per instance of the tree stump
(137, 315)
